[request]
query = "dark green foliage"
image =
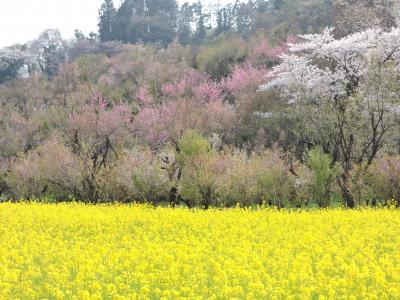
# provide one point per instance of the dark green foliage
(324, 175)
(185, 19)
(200, 19)
(151, 21)
(106, 17)
(148, 21)
(217, 59)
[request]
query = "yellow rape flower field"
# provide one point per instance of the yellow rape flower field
(74, 251)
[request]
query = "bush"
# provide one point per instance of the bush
(51, 170)
(91, 67)
(323, 176)
(217, 60)
(360, 186)
(193, 144)
(256, 180)
(384, 178)
(204, 177)
(24, 178)
(197, 184)
(136, 176)
(276, 184)
(237, 184)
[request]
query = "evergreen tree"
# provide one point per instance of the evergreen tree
(200, 18)
(277, 4)
(262, 6)
(129, 25)
(220, 22)
(106, 16)
(244, 17)
(148, 21)
(226, 18)
(185, 19)
(162, 21)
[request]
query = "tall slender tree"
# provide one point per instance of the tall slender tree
(148, 21)
(200, 18)
(185, 19)
(162, 21)
(106, 16)
(244, 17)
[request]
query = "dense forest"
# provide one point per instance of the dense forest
(284, 102)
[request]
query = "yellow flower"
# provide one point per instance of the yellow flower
(78, 251)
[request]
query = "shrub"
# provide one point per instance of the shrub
(201, 179)
(276, 185)
(193, 144)
(256, 179)
(3, 172)
(299, 185)
(24, 178)
(91, 67)
(51, 170)
(360, 186)
(195, 156)
(323, 176)
(384, 178)
(217, 60)
(236, 186)
(136, 176)
(95, 133)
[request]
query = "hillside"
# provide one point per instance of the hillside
(254, 102)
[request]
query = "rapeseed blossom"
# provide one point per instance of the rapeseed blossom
(75, 251)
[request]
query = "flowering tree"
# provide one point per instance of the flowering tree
(355, 15)
(243, 78)
(49, 170)
(266, 54)
(193, 84)
(47, 51)
(190, 102)
(94, 133)
(343, 92)
(12, 60)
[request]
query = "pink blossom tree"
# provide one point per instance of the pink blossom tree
(94, 132)
(243, 78)
(265, 53)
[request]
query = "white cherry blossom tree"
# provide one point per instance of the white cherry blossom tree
(345, 92)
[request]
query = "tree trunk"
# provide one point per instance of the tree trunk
(348, 198)
(189, 203)
(90, 189)
(155, 202)
(173, 197)
(207, 198)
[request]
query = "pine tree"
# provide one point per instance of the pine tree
(162, 21)
(200, 17)
(148, 21)
(244, 17)
(106, 16)
(185, 19)
(226, 18)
